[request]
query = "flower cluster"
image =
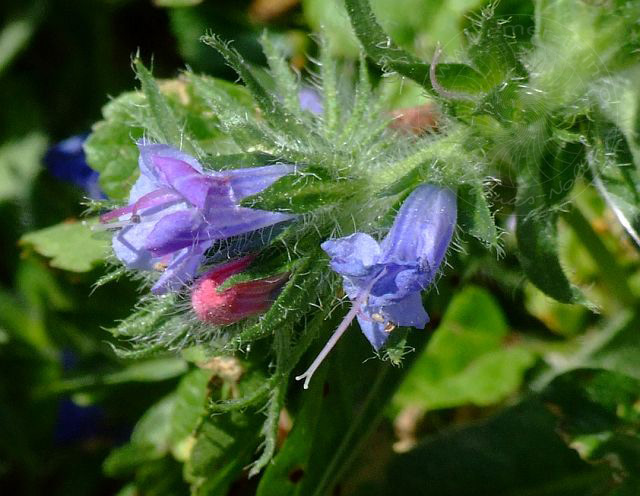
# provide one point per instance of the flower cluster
(177, 211)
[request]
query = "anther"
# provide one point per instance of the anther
(377, 317)
(160, 266)
(389, 326)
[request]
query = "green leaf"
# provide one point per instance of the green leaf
(270, 427)
(111, 147)
(161, 477)
(282, 477)
(474, 215)
(329, 17)
(273, 111)
(19, 321)
(147, 318)
(19, 165)
(565, 320)
(286, 82)
(151, 370)
(189, 408)
(611, 161)
(515, 452)
(537, 242)
(224, 445)
(236, 115)
(71, 245)
(593, 39)
(332, 111)
(598, 416)
(612, 274)
(305, 190)
(615, 348)
(493, 50)
(157, 369)
(467, 360)
(239, 160)
(166, 126)
(385, 53)
(617, 130)
(560, 165)
(312, 462)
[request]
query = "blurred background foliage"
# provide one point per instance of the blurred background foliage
(514, 393)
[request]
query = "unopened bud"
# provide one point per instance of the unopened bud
(237, 302)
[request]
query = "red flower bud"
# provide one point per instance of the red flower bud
(238, 302)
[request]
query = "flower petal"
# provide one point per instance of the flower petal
(199, 189)
(373, 331)
(355, 255)
(128, 246)
(422, 229)
(253, 180)
(408, 312)
(150, 150)
(167, 166)
(182, 268)
(224, 223)
(310, 100)
(143, 186)
(173, 232)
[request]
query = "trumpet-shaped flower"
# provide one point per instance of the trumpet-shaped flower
(238, 302)
(177, 211)
(384, 280)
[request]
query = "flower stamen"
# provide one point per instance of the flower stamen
(356, 309)
(335, 337)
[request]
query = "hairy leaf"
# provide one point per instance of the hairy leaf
(474, 215)
(466, 360)
(385, 53)
(537, 243)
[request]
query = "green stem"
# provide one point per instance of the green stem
(356, 431)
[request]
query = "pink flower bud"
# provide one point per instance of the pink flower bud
(238, 302)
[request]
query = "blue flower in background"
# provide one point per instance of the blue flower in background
(310, 100)
(66, 161)
(384, 280)
(177, 211)
(76, 422)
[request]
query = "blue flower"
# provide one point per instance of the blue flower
(66, 161)
(384, 280)
(177, 211)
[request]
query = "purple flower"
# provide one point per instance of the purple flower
(384, 280)
(177, 211)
